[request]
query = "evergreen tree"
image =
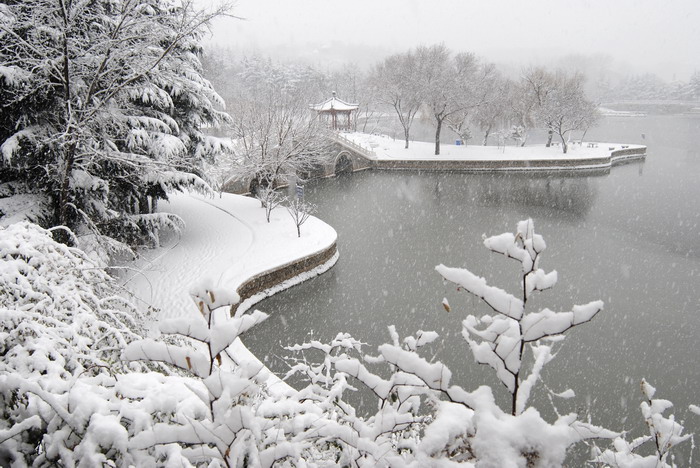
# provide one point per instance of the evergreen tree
(102, 106)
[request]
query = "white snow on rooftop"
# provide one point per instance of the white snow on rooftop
(334, 103)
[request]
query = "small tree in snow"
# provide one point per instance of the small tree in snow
(300, 211)
(502, 340)
(517, 133)
(269, 199)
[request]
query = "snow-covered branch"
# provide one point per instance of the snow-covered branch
(501, 341)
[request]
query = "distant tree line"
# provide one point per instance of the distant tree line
(651, 87)
(462, 92)
(274, 133)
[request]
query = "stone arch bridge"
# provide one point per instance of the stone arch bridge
(347, 156)
(344, 157)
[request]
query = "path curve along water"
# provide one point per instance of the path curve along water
(228, 244)
(388, 153)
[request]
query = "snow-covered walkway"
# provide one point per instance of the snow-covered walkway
(225, 242)
(386, 148)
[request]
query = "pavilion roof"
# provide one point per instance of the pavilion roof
(334, 103)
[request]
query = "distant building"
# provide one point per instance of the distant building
(337, 113)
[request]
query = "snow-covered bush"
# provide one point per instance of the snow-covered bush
(422, 418)
(664, 434)
(233, 420)
(67, 399)
(61, 325)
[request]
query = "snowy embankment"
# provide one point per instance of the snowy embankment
(226, 241)
(389, 149)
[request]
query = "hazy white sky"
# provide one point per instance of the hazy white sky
(663, 35)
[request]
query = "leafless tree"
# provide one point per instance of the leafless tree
(269, 199)
(560, 103)
(520, 111)
(492, 113)
(452, 86)
(477, 91)
(275, 132)
(300, 211)
(395, 83)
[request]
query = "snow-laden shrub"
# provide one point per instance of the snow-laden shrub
(62, 328)
(66, 399)
(425, 420)
(422, 418)
(237, 422)
(664, 434)
(60, 312)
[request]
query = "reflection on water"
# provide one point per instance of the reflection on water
(629, 238)
(571, 194)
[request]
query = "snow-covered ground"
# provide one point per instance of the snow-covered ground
(388, 148)
(226, 241)
(613, 113)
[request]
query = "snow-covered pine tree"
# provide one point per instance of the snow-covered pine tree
(102, 105)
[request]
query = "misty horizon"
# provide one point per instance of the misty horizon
(639, 36)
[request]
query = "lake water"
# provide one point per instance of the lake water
(629, 237)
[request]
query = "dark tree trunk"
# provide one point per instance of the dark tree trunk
(144, 204)
(486, 135)
(61, 214)
(405, 134)
(438, 130)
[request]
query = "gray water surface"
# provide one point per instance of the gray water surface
(629, 237)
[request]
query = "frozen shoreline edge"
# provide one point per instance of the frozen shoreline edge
(613, 158)
(315, 264)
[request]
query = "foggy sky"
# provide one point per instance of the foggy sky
(651, 35)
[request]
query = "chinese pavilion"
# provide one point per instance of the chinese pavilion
(337, 113)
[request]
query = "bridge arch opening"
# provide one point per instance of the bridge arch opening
(343, 164)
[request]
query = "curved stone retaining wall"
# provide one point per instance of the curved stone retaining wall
(627, 154)
(514, 164)
(270, 278)
(360, 162)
